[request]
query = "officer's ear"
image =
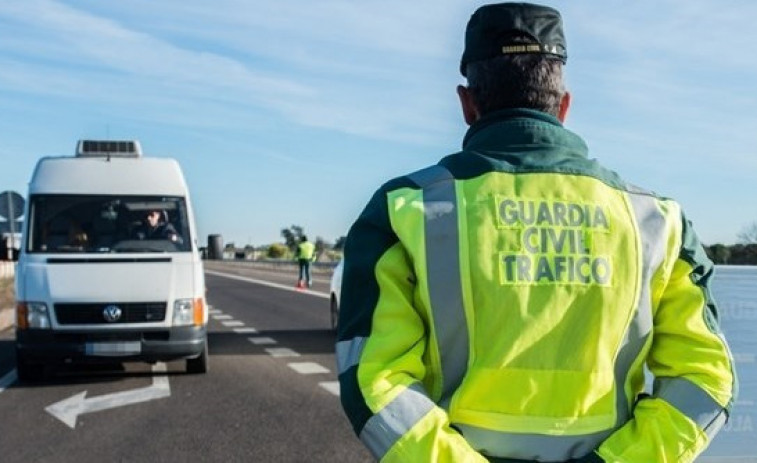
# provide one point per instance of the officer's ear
(470, 110)
(564, 106)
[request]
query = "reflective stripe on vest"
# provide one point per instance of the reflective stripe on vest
(692, 401)
(443, 271)
(348, 353)
(445, 295)
(392, 422)
(651, 225)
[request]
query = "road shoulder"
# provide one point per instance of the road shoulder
(6, 319)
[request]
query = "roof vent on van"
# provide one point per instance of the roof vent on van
(108, 148)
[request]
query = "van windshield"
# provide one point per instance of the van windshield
(106, 224)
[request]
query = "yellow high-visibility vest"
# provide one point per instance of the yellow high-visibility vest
(505, 303)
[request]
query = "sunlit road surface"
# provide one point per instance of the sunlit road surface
(270, 394)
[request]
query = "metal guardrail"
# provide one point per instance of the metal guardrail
(315, 267)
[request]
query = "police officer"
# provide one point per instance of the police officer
(502, 305)
(305, 255)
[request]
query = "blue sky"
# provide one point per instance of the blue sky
(294, 112)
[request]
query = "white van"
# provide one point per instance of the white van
(109, 268)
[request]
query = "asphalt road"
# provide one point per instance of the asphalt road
(270, 394)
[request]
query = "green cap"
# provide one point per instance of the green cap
(492, 29)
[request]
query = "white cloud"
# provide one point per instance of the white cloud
(665, 85)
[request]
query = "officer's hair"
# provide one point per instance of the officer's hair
(516, 81)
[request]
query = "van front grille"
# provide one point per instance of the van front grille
(110, 313)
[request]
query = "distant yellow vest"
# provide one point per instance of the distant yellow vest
(305, 250)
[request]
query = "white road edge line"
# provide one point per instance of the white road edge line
(8, 379)
(262, 340)
(268, 283)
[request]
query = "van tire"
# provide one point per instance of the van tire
(28, 372)
(334, 312)
(199, 364)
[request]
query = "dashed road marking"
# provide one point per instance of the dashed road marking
(214, 311)
(331, 386)
(278, 352)
(231, 323)
(305, 368)
(743, 358)
(308, 368)
(245, 330)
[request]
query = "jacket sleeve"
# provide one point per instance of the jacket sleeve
(380, 346)
(694, 375)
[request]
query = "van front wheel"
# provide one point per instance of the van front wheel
(199, 364)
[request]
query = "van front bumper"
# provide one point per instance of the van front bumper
(148, 345)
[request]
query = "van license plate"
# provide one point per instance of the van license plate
(113, 349)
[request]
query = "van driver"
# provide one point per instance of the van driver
(155, 227)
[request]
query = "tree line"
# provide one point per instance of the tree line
(743, 253)
(291, 235)
(736, 254)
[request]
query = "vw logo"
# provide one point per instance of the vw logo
(112, 313)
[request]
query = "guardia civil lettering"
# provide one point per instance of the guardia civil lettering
(556, 240)
(551, 213)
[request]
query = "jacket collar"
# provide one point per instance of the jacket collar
(519, 127)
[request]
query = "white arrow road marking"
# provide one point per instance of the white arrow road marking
(7, 380)
(68, 410)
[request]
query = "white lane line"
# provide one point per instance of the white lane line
(278, 352)
(262, 340)
(308, 368)
(222, 317)
(214, 311)
(331, 386)
(744, 403)
(231, 323)
(7, 380)
(268, 283)
(245, 330)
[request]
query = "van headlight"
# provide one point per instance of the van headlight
(32, 315)
(188, 312)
